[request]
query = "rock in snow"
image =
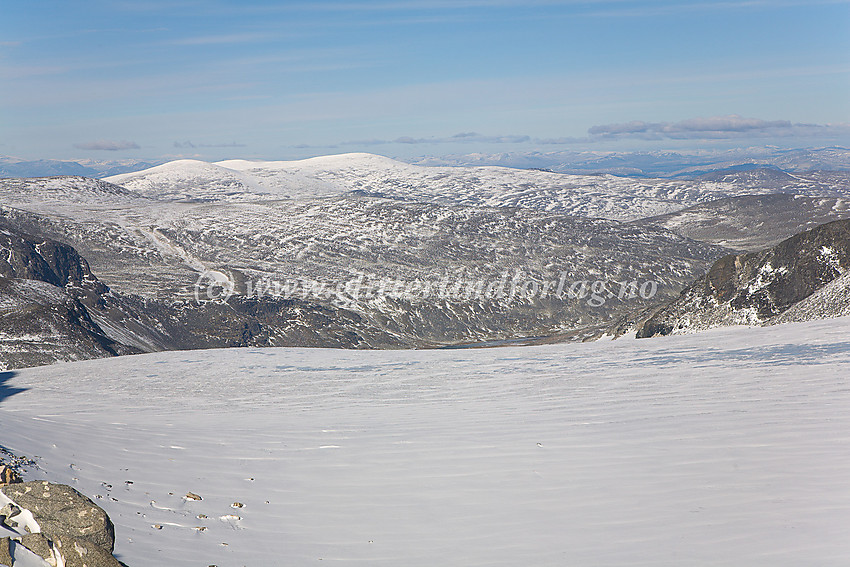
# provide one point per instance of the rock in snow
(56, 523)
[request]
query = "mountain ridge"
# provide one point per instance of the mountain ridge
(659, 163)
(339, 233)
(756, 287)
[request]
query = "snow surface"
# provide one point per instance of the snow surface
(730, 447)
(832, 300)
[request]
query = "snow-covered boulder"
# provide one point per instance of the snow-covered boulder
(49, 524)
(59, 509)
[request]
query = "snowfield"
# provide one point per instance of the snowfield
(729, 447)
(602, 196)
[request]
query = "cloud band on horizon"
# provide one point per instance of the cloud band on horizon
(107, 145)
(727, 127)
(714, 128)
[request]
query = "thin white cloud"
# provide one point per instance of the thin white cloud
(11, 72)
(222, 39)
(107, 145)
(462, 137)
(711, 128)
(189, 144)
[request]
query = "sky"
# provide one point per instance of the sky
(215, 79)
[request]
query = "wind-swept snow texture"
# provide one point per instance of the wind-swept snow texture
(730, 447)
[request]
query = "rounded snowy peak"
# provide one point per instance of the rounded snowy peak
(330, 162)
(188, 179)
(66, 190)
(232, 180)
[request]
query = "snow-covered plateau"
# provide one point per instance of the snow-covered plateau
(727, 447)
(332, 222)
(604, 196)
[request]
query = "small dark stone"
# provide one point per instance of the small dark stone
(8, 476)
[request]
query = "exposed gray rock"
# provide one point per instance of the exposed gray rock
(755, 288)
(59, 509)
(9, 516)
(76, 552)
(6, 551)
(832, 300)
(39, 544)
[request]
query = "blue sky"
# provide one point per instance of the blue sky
(280, 80)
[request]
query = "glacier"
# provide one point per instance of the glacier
(727, 447)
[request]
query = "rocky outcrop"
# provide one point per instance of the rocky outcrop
(52, 308)
(56, 523)
(755, 288)
(58, 508)
(47, 297)
(28, 257)
(75, 552)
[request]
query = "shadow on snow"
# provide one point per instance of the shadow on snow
(7, 391)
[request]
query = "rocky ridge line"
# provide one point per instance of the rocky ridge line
(757, 288)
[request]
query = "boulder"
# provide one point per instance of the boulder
(59, 509)
(75, 552)
(39, 544)
(8, 475)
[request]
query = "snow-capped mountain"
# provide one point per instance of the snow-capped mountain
(603, 196)
(156, 235)
(400, 255)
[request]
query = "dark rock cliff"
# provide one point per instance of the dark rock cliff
(753, 288)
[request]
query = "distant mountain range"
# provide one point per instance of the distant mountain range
(668, 164)
(360, 251)
(14, 167)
